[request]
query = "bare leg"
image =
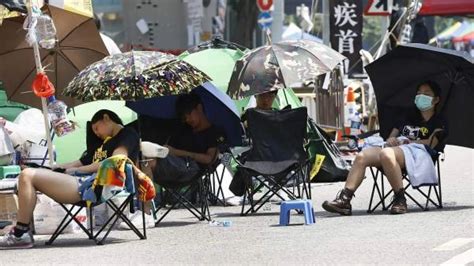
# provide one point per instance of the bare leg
(393, 161)
(60, 187)
(368, 157)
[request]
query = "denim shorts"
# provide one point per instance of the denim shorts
(85, 183)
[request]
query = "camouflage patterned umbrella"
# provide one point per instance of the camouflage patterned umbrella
(134, 75)
(281, 65)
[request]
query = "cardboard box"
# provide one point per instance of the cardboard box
(8, 206)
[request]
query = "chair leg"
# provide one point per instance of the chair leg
(68, 218)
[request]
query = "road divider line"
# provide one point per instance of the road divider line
(454, 244)
(461, 259)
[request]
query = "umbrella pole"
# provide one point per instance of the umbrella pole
(39, 69)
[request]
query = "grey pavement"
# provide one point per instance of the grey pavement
(378, 238)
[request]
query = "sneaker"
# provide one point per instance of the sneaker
(399, 203)
(136, 219)
(342, 203)
(10, 241)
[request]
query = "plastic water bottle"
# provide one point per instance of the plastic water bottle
(225, 223)
(355, 123)
(58, 117)
(45, 32)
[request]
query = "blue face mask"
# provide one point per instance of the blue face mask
(423, 102)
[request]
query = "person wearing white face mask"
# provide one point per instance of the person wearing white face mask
(423, 127)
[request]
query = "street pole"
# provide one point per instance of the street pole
(326, 35)
(39, 69)
(278, 18)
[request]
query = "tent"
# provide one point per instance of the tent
(447, 7)
(293, 32)
(466, 27)
(70, 147)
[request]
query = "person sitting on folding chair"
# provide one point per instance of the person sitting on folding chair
(64, 187)
(264, 101)
(422, 128)
(190, 151)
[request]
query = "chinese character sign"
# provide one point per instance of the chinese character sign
(346, 31)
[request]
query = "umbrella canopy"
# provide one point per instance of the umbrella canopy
(14, 5)
(79, 44)
(134, 75)
(219, 108)
(465, 27)
(280, 65)
(396, 75)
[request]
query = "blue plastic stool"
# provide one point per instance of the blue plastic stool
(304, 205)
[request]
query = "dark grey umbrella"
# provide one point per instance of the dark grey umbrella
(396, 75)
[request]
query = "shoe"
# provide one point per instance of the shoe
(342, 203)
(399, 205)
(10, 241)
(136, 219)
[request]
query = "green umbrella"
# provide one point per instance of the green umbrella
(81, 114)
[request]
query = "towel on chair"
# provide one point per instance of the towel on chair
(419, 165)
(111, 178)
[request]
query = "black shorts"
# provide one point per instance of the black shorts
(175, 171)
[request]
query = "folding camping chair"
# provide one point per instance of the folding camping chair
(276, 157)
(129, 191)
(176, 193)
(427, 194)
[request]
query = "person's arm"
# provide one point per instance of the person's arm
(73, 164)
(203, 158)
(392, 138)
(432, 141)
(94, 167)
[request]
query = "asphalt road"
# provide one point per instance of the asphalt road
(419, 237)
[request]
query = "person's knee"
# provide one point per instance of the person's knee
(360, 160)
(387, 156)
(26, 176)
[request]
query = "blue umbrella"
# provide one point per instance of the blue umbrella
(219, 108)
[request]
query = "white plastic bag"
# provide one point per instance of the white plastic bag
(48, 214)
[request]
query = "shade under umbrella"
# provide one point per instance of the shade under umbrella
(219, 109)
(134, 75)
(281, 65)
(396, 75)
(79, 44)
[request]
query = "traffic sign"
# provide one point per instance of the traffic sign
(264, 5)
(264, 20)
(378, 8)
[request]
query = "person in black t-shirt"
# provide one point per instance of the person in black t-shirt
(423, 127)
(191, 151)
(63, 187)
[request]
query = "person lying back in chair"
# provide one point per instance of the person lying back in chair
(63, 187)
(190, 151)
(422, 128)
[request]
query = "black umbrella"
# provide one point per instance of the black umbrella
(14, 5)
(396, 75)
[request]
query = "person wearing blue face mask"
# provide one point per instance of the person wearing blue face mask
(421, 127)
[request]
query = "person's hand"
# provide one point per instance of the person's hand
(171, 150)
(71, 171)
(392, 142)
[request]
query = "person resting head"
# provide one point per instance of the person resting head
(66, 188)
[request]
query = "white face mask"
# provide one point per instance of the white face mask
(423, 102)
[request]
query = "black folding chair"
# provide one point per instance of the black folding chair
(277, 156)
(129, 191)
(176, 194)
(216, 192)
(426, 192)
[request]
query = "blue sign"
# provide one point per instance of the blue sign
(264, 20)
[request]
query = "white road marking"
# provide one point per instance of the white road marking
(454, 244)
(461, 259)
